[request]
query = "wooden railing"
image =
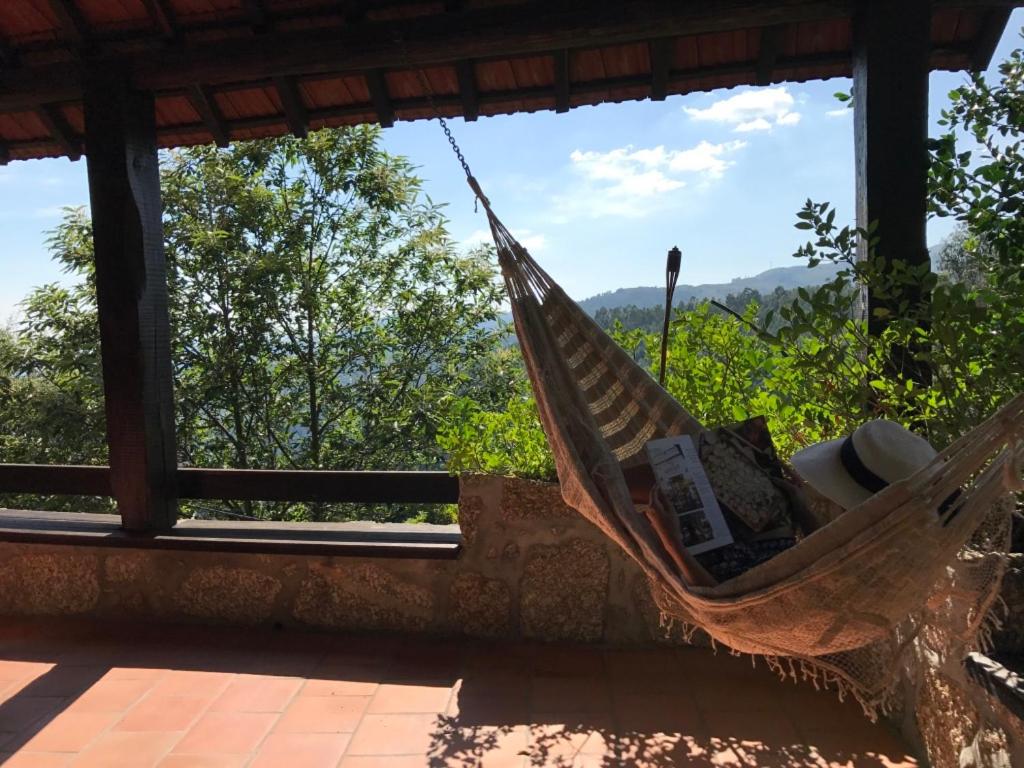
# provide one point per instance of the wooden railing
(247, 484)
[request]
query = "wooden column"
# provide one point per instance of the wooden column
(890, 92)
(131, 294)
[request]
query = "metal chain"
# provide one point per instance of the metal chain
(425, 84)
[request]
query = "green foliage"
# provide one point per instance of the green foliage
(505, 441)
(321, 318)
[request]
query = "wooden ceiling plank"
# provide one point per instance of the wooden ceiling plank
(294, 109)
(562, 80)
(533, 28)
(988, 37)
(468, 91)
(660, 52)
(53, 119)
(162, 14)
(256, 13)
(381, 99)
(206, 105)
(771, 43)
(72, 22)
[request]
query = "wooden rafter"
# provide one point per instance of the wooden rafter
(767, 58)
(205, 104)
(294, 109)
(57, 126)
(380, 97)
(660, 52)
(466, 71)
(562, 80)
(537, 27)
(988, 38)
(162, 14)
(72, 22)
(8, 57)
(256, 13)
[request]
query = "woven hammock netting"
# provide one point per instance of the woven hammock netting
(843, 605)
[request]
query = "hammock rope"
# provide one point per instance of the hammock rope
(848, 599)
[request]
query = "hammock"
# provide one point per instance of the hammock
(837, 602)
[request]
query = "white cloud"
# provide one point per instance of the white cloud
(841, 112)
(636, 182)
(758, 124)
(751, 110)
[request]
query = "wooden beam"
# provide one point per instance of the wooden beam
(131, 300)
(5, 153)
(678, 80)
(357, 487)
(294, 109)
(205, 104)
(470, 96)
(381, 99)
(162, 14)
(55, 479)
(890, 92)
(72, 22)
(767, 57)
(561, 80)
(537, 27)
(52, 118)
(988, 37)
(318, 485)
(8, 56)
(256, 13)
(660, 52)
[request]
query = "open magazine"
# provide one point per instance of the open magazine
(683, 485)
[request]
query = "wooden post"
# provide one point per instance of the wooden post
(131, 296)
(890, 92)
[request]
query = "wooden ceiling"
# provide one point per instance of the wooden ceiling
(241, 69)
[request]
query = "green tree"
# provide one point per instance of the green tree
(321, 316)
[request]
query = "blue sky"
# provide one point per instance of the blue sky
(598, 195)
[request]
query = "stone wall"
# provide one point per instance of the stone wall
(530, 568)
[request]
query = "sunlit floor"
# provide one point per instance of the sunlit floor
(85, 694)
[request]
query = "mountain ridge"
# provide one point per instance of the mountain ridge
(787, 278)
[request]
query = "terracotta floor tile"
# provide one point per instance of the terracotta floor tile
(191, 683)
(769, 729)
(395, 699)
(570, 694)
(71, 731)
(203, 761)
(657, 713)
(111, 695)
(483, 746)
(233, 732)
(22, 712)
(163, 713)
(135, 673)
(323, 714)
(329, 687)
(11, 670)
(257, 693)
(126, 750)
(396, 735)
(390, 761)
(67, 681)
(35, 760)
(301, 750)
(490, 700)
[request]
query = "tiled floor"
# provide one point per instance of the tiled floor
(195, 697)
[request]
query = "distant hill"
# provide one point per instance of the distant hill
(766, 282)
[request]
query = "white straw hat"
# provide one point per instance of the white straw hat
(855, 468)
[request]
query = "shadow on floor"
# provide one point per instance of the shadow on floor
(386, 700)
